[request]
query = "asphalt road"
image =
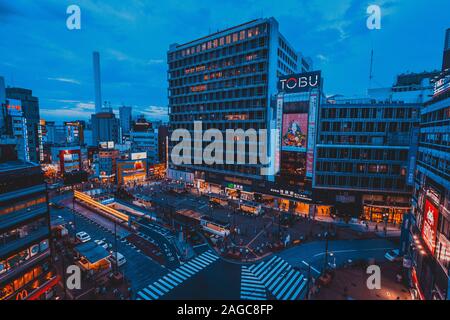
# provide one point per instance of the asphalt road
(139, 268)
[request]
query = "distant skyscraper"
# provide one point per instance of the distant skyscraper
(105, 127)
(97, 82)
(446, 60)
(125, 114)
(30, 109)
(2, 101)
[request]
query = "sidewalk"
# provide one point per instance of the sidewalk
(350, 284)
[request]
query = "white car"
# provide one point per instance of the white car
(120, 258)
(102, 244)
(83, 236)
(392, 255)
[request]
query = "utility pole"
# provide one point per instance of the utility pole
(326, 250)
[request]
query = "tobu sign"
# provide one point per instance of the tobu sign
(430, 221)
(299, 82)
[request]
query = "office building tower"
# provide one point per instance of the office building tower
(105, 127)
(446, 58)
(365, 157)
(144, 138)
(125, 116)
(16, 127)
(226, 80)
(428, 230)
(97, 82)
(30, 109)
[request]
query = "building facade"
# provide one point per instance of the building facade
(366, 155)
(226, 80)
(26, 272)
(30, 109)
(125, 116)
(429, 226)
(105, 127)
(144, 138)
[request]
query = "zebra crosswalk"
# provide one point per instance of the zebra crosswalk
(279, 278)
(251, 287)
(171, 280)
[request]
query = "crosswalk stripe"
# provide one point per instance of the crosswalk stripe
(296, 294)
(288, 294)
(275, 279)
(187, 275)
(267, 268)
(191, 268)
(275, 271)
(210, 255)
(253, 283)
(178, 274)
(171, 281)
(201, 262)
(285, 280)
(257, 294)
(288, 284)
(187, 270)
(144, 296)
(156, 290)
(148, 292)
(256, 289)
(164, 283)
(252, 298)
(208, 258)
(258, 269)
(161, 287)
(197, 264)
(175, 279)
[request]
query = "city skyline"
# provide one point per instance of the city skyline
(134, 66)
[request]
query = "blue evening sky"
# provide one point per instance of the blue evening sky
(37, 51)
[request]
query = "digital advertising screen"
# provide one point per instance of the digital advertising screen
(294, 132)
(430, 221)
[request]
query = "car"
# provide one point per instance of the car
(120, 258)
(83, 236)
(102, 244)
(393, 255)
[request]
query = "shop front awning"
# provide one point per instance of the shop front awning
(92, 252)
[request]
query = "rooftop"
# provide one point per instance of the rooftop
(16, 165)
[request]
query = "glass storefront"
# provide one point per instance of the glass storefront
(383, 214)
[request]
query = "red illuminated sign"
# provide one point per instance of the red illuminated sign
(430, 221)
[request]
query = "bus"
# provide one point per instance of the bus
(214, 226)
(251, 208)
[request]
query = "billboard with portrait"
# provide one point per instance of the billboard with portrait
(295, 132)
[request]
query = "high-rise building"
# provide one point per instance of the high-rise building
(30, 109)
(125, 115)
(365, 155)
(428, 229)
(144, 138)
(16, 126)
(97, 82)
(226, 80)
(2, 105)
(105, 127)
(446, 59)
(26, 271)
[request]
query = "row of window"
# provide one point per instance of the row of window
(249, 93)
(390, 139)
(357, 182)
(223, 116)
(218, 106)
(232, 74)
(219, 42)
(362, 154)
(437, 115)
(350, 126)
(366, 113)
(361, 168)
(209, 70)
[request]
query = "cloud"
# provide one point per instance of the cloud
(67, 80)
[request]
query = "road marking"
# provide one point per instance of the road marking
(309, 266)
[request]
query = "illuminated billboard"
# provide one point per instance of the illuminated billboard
(138, 155)
(299, 82)
(430, 221)
(294, 133)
